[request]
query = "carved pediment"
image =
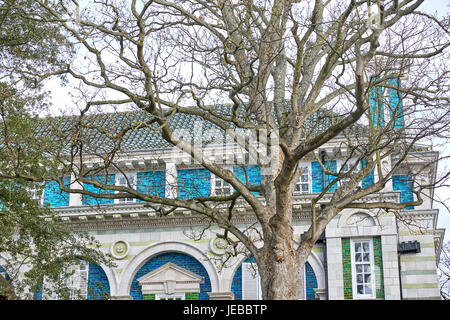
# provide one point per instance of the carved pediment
(170, 279)
(360, 219)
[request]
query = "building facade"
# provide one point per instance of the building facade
(363, 254)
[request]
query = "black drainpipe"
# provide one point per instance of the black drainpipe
(325, 261)
(323, 153)
(400, 276)
(399, 262)
(325, 266)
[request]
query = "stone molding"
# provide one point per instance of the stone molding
(170, 279)
(121, 298)
(138, 215)
(221, 295)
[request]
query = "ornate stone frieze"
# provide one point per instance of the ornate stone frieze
(138, 215)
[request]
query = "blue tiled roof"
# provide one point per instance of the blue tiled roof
(99, 131)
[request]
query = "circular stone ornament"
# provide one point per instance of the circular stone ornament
(119, 249)
(218, 246)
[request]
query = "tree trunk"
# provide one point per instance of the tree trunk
(281, 260)
(280, 276)
(6, 289)
(281, 267)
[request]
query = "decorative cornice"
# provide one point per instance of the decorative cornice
(139, 215)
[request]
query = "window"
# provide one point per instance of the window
(174, 296)
(251, 282)
(221, 187)
(363, 276)
(302, 185)
(36, 193)
(129, 181)
(76, 281)
(346, 166)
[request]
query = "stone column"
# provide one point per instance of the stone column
(75, 199)
(171, 180)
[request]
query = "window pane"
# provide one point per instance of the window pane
(366, 246)
(305, 187)
(357, 247)
(367, 268)
(368, 289)
(360, 289)
(367, 278)
(359, 268)
(366, 257)
(358, 257)
(359, 278)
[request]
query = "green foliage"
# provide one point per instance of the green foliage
(31, 236)
(29, 46)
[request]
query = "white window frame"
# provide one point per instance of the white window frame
(35, 195)
(129, 175)
(173, 296)
(77, 283)
(213, 183)
(300, 183)
(349, 162)
(223, 182)
(356, 295)
(255, 275)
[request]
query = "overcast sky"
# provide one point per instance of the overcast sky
(442, 7)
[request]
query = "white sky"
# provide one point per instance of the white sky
(442, 7)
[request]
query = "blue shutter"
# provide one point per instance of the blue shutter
(403, 183)
(317, 176)
(193, 183)
(152, 183)
(376, 105)
(396, 104)
(250, 176)
(109, 180)
(54, 196)
(369, 179)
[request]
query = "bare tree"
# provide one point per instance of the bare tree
(296, 76)
(444, 268)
